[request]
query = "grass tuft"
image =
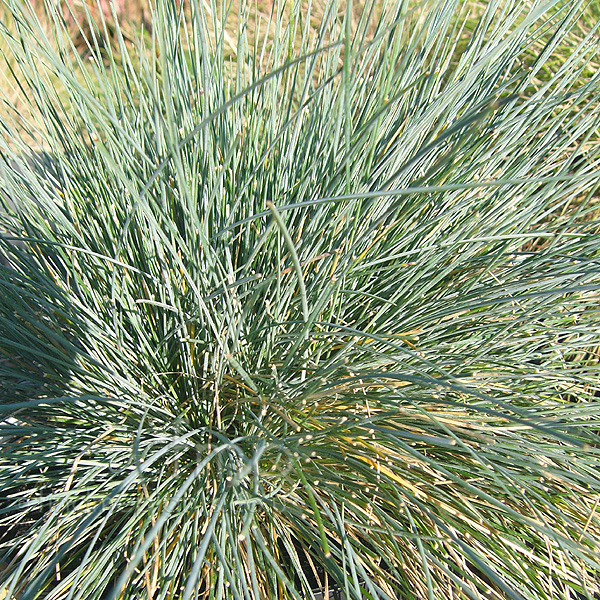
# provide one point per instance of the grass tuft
(306, 306)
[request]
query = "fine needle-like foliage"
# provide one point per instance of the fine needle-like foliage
(301, 304)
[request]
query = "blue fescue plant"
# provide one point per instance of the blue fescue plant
(301, 304)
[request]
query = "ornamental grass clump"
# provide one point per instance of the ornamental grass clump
(301, 303)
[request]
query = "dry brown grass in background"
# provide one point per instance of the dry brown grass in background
(78, 13)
